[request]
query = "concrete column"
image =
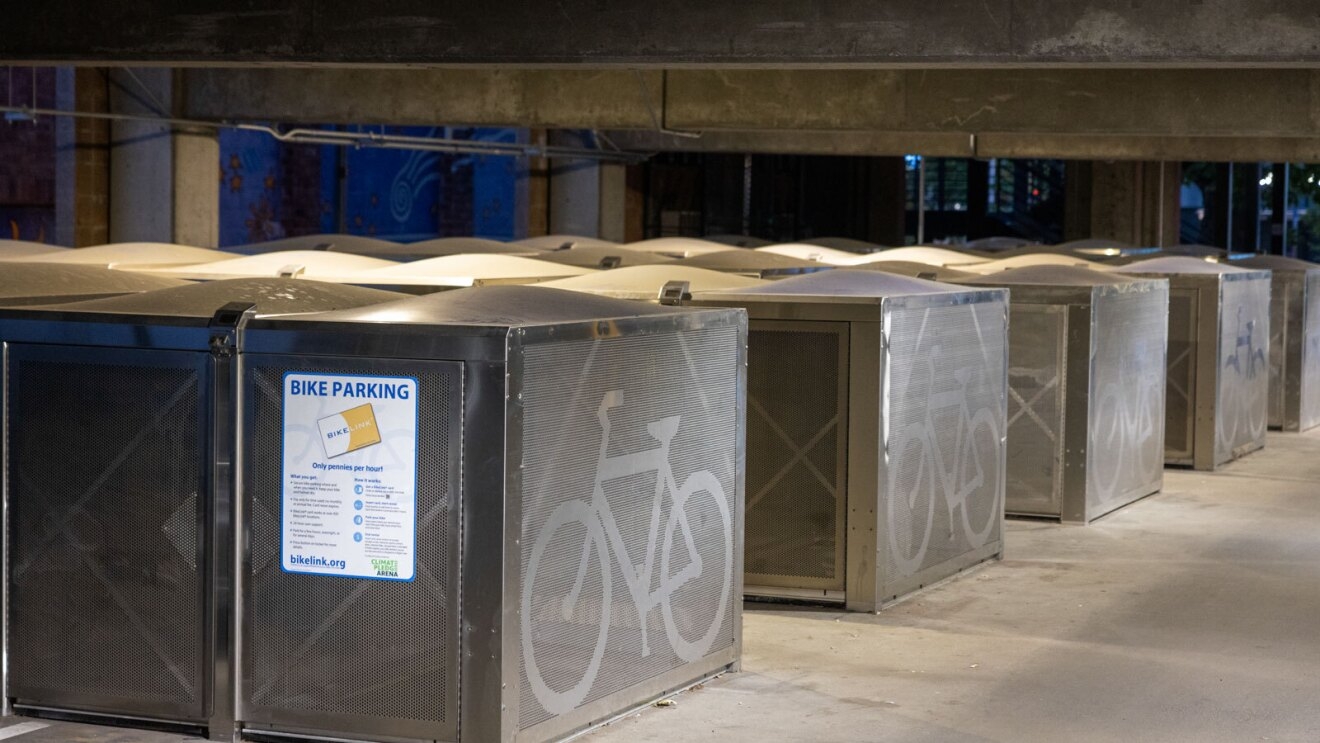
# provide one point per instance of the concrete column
(164, 182)
(82, 159)
(887, 216)
(1135, 202)
(587, 198)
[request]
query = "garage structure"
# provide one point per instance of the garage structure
(403, 131)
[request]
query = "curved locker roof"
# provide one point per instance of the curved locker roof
(593, 256)
(1051, 275)
(1093, 243)
(1030, 259)
(442, 246)
(495, 305)
(304, 263)
(997, 243)
(336, 243)
(679, 247)
(29, 283)
(25, 249)
(1179, 264)
(132, 254)
(739, 259)
(848, 283)
(466, 270)
(935, 256)
(645, 282)
(818, 253)
(739, 241)
(272, 296)
(1275, 263)
(914, 269)
(555, 242)
(846, 244)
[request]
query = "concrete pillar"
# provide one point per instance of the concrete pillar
(887, 203)
(164, 181)
(82, 159)
(587, 198)
(1136, 202)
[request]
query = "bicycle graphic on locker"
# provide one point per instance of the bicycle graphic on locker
(603, 535)
(958, 482)
(1243, 399)
(1133, 420)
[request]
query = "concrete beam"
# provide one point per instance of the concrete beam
(1120, 114)
(683, 32)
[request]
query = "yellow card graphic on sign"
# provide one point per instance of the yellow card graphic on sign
(350, 430)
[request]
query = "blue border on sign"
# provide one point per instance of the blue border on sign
(417, 416)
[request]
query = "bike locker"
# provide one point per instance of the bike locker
(1218, 370)
(500, 513)
(875, 430)
(1294, 347)
(121, 428)
(1086, 389)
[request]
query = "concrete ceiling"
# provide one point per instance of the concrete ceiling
(755, 33)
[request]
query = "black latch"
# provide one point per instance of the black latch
(228, 320)
(610, 261)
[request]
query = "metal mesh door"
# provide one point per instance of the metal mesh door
(797, 387)
(1036, 388)
(630, 529)
(1180, 380)
(107, 486)
(345, 654)
(1125, 452)
(945, 423)
(1241, 410)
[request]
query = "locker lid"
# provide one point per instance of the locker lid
(598, 256)
(505, 306)
(26, 249)
(291, 263)
(1179, 264)
(845, 283)
(131, 254)
(916, 270)
(645, 282)
(46, 283)
(1055, 275)
(1276, 263)
(334, 243)
(272, 296)
(741, 259)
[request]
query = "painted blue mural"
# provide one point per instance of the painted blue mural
(271, 190)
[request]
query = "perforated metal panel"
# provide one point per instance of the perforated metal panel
(346, 654)
(1287, 313)
(945, 433)
(1036, 384)
(1125, 442)
(106, 549)
(627, 553)
(1180, 377)
(797, 388)
(1241, 410)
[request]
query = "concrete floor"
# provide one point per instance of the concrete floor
(1193, 615)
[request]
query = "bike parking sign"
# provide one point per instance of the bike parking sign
(349, 480)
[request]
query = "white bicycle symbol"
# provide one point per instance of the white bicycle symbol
(1133, 420)
(975, 462)
(602, 533)
(1244, 401)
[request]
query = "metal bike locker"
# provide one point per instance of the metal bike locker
(288, 264)
(119, 444)
(564, 533)
(123, 255)
(755, 263)
(24, 284)
(1216, 401)
(916, 270)
(1294, 340)
(1085, 388)
(875, 408)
